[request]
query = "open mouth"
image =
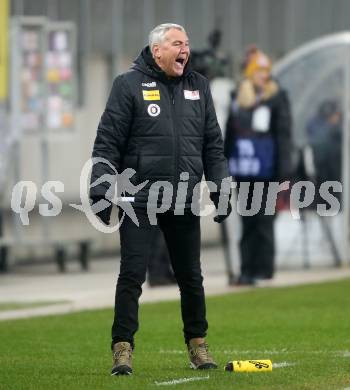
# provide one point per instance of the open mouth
(180, 61)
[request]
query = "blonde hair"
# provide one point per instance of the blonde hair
(258, 60)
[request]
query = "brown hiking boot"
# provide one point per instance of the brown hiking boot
(199, 356)
(122, 353)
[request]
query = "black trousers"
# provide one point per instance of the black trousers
(257, 244)
(159, 265)
(182, 236)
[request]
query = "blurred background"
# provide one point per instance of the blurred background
(58, 59)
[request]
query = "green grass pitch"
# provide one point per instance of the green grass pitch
(305, 329)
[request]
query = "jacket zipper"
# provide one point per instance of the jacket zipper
(176, 139)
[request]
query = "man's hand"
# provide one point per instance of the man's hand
(215, 197)
(105, 214)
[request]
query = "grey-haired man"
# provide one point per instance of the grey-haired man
(160, 121)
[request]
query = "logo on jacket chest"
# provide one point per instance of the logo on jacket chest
(152, 94)
(152, 84)
(153, 110)
(191, 95)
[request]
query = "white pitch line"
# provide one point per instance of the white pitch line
(254, 351)
(172, 351)
(181, 380)
(345, 353)
(282, 365)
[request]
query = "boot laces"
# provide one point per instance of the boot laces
(201, 352)
(122, 355)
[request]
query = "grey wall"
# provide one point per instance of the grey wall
(275, 25)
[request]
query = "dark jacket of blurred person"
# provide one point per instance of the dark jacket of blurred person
(258, 148)
(325, 138)
(324, 133)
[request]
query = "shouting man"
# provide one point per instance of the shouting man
(160, 121)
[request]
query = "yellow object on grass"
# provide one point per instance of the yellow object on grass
(249, 366)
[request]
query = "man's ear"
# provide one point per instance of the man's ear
(155, 51)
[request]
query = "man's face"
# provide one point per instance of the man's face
(172, 54)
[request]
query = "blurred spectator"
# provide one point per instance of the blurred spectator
(324, 132)
(258, 146)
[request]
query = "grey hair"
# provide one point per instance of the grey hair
(157, 34)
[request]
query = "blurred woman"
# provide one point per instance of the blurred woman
(258, 147)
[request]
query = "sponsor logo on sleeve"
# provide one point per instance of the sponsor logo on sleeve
(152, 94)
(191, 95)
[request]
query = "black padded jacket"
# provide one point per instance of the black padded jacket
(160, 127)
